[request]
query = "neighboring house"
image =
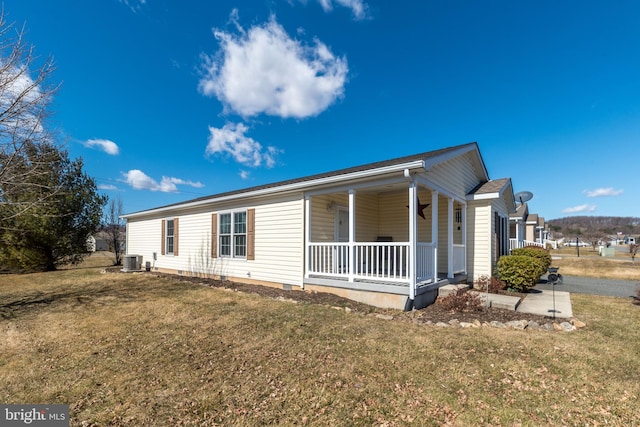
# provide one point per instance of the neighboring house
(387, 233)
(517, 226)
(528, 229)
(629, 240)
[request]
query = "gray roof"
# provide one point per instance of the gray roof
(491, 186)
(400, 160)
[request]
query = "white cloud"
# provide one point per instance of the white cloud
(141, 181)
(21, 100)
(600, 192)
(107, 187)
(105, 145)
(358, 7)
(263, 70)
(244, 174)
(134, 5)
(231, 140)
(580, 209)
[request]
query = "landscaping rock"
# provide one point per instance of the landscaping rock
(496, 324)
(578, 324)
(568, 327)
(384, 316)
(517, 324)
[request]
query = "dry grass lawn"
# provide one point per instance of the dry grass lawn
(589, 264)
(133, 349)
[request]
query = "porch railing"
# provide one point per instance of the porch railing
(515, 244)
(459, 258)
(425, 265)
(385, 261)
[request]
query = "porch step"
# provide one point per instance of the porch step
(449, 289)
(504, 302)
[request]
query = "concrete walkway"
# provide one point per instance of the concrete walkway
(542, 302)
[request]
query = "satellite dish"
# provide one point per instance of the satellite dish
(523, 196)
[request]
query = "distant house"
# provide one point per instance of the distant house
(388, 233)
(527, 229)
(629, 240)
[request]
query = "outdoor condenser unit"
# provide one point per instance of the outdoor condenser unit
(131, 262)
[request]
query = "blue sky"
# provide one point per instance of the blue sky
(171, 100)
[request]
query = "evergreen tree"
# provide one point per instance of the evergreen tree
(53, 231)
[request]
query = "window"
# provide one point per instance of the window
(170, 236)
(233, 234)
(169, 243)
(458, 216)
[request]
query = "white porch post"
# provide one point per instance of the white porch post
(464, 234)
(434, 232)
(307, 237)
(413, 238)
(449, 238)
(352, 234)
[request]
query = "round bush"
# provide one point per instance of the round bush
(520, 272)
(535, 252)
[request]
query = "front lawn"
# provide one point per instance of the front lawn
(135, 349)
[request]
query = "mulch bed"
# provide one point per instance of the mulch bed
(433, 313)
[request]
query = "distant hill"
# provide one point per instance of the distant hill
(594, 226)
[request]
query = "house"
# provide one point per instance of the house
(388, 233)
(629, 240)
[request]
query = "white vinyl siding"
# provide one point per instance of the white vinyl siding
(279, 234)
(457, 175)
(479, 237)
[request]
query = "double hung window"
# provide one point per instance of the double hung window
(233, 234)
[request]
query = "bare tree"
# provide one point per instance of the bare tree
(114, 226)
(633, 250)
(25, 96)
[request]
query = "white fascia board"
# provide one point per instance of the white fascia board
(296, 186)
(484, 196)
(432, 161)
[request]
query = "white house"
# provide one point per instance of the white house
(387, 233)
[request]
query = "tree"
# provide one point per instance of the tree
(25, 96)
(633, 250)
(114, 228)
(54, 230)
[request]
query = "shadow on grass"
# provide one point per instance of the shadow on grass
(103, 293)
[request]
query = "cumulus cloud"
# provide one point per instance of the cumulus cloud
(358, 7)
(580, 209)
(601, 192)
(244, 174)
(141, 181)
(105, 145)
(264, 70)
(231, 140)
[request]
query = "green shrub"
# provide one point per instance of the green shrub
(520, 272)
(535, 252)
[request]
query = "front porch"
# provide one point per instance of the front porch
(381, 239)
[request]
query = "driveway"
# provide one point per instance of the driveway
(588, 285)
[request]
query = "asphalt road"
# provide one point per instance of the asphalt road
(587, 285)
